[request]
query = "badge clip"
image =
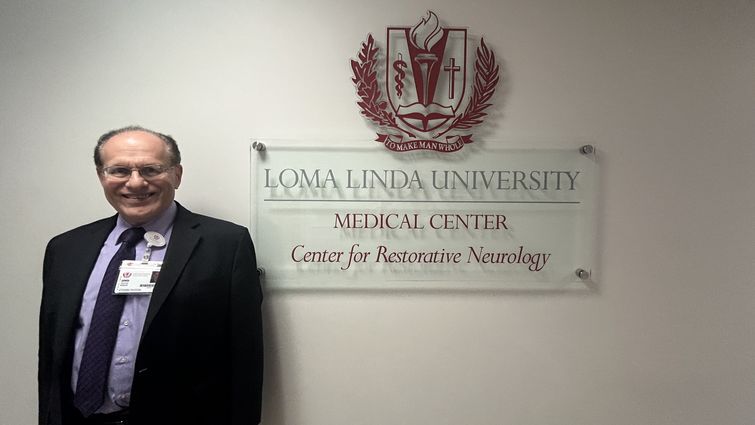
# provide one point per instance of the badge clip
(153, 239)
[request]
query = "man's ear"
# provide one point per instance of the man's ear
(178, 171)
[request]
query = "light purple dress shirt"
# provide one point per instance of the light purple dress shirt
(132, 320)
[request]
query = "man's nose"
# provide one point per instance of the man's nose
(135, 179)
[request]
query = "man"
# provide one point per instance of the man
(182, 344)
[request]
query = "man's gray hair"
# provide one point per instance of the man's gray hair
(170, 143)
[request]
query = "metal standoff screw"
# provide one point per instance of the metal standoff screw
(582, 274)
(587, 149)
(260, 271)
(258, 146)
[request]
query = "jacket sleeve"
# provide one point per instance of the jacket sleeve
(44, 355)
(246, 335)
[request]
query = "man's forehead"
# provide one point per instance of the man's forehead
(134, 143)
(135, 137)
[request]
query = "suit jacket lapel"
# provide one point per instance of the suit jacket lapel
(183, 239)
(81, 262)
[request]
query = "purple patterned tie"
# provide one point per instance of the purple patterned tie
(91, 388)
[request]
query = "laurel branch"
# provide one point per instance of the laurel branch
(365, 78)
(485, 81)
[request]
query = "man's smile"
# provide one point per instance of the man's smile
(138, 197)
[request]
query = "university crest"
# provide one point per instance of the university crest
(428, 104)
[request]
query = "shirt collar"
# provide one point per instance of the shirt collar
(161, 224)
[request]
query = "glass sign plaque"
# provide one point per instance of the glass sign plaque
(358, 217)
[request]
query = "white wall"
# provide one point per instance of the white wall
(664, 88)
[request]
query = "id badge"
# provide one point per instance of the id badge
(137, 277)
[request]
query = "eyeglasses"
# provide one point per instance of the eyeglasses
(120, 172)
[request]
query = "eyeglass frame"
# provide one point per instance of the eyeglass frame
(165, 169)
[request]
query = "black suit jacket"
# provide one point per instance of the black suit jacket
(200, 357)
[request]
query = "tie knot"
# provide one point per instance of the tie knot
(132, 236)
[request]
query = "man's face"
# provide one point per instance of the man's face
(136, 199)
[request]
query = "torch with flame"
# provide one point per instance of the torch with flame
(426, 34)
